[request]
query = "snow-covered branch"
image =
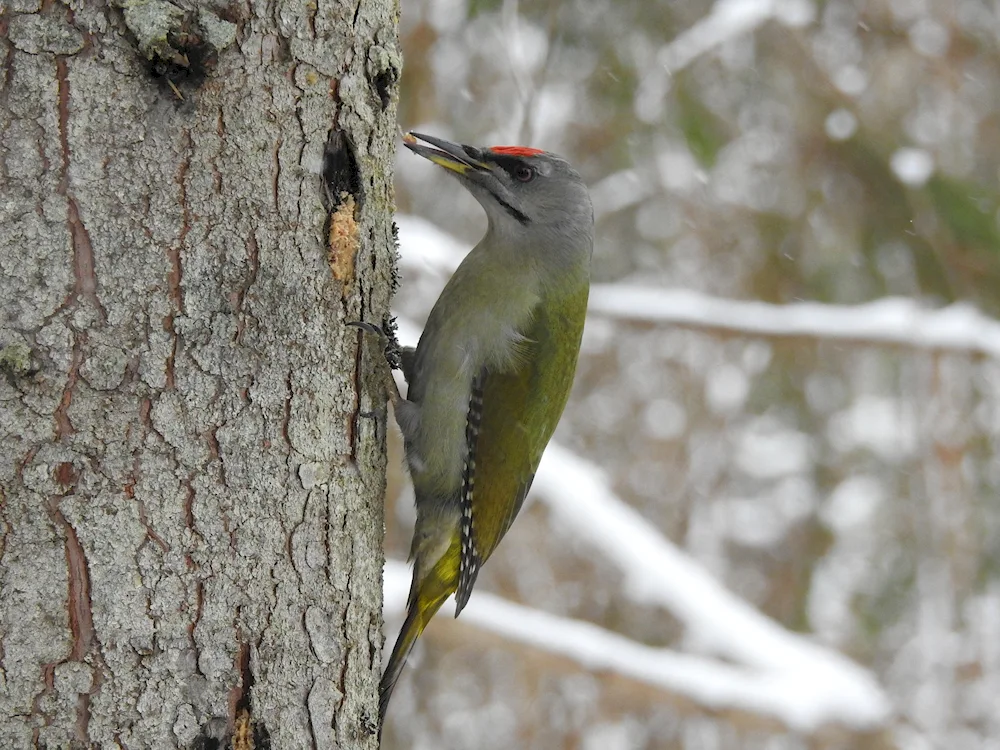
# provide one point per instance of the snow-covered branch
(728, 20)
(771, 671)
(830, 688)
(708, 682)
(896, 321)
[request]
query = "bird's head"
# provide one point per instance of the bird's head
(527, 193)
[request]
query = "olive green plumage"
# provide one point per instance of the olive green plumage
(491, 374)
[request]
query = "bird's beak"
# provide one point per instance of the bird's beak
(453, 156)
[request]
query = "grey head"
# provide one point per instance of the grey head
(530, 196)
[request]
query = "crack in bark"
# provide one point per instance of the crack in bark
(328, 549)
(374, 653)
(98, 676)
(143, 516)
(48, 687)
(189, 521)
(286, 418)
(214, 448)
(227, 525)
(240, 295)
(85, 279)
(81, 620)
(199, 603)
(175, 258)
(220, 131)
(276, 173)
(62, 81)
(353, 422)
(85, 276)
(212, 438)
(83, 259)
(83, 716)
(145, 406)
(8, 73)
(303, 140)
(345, 664)
(290, 537)
(189, 507)
(64, 427)
(7, 528)
(239, 695)
(313, 740)
(175, 276)
(169, 382)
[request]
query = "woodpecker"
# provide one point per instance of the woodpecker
(490, 376)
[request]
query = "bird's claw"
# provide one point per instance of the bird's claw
(390, 352)
(386, 335)
(368, 328)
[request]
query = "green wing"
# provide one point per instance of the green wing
(515, 416)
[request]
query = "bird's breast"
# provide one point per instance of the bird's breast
(437, 448)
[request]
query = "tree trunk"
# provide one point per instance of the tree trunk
(192, 202)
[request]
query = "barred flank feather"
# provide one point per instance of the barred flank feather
(469, 561)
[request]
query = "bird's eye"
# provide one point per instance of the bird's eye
(524, 174)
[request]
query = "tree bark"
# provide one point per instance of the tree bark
(193, 201)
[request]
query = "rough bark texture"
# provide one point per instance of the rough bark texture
(192, 202)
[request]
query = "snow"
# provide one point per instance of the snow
(776, 672)
(726, 388)
(744, 660)
(900, 321)
(913, 166)
(841, 124)
(851, 80)
(884, 426)
(611, 736)
(831, 688)
(762, 667)
(929, 38)
(679, 172)
(801, 704)
(664, 419)
(618, 191)
(447, 15)
(884, 415)
(767, 450)
(759, 521)
(728, 20)
(892, 320)
(424, 247)
(852, 503)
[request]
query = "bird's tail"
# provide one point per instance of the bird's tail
(423, 603)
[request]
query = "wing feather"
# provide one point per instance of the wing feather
(519, 412)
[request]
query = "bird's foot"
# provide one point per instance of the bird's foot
(387, 337)
(390, 354)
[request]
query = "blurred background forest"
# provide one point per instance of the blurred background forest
(842, 481)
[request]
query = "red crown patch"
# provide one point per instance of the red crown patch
(516, 150)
